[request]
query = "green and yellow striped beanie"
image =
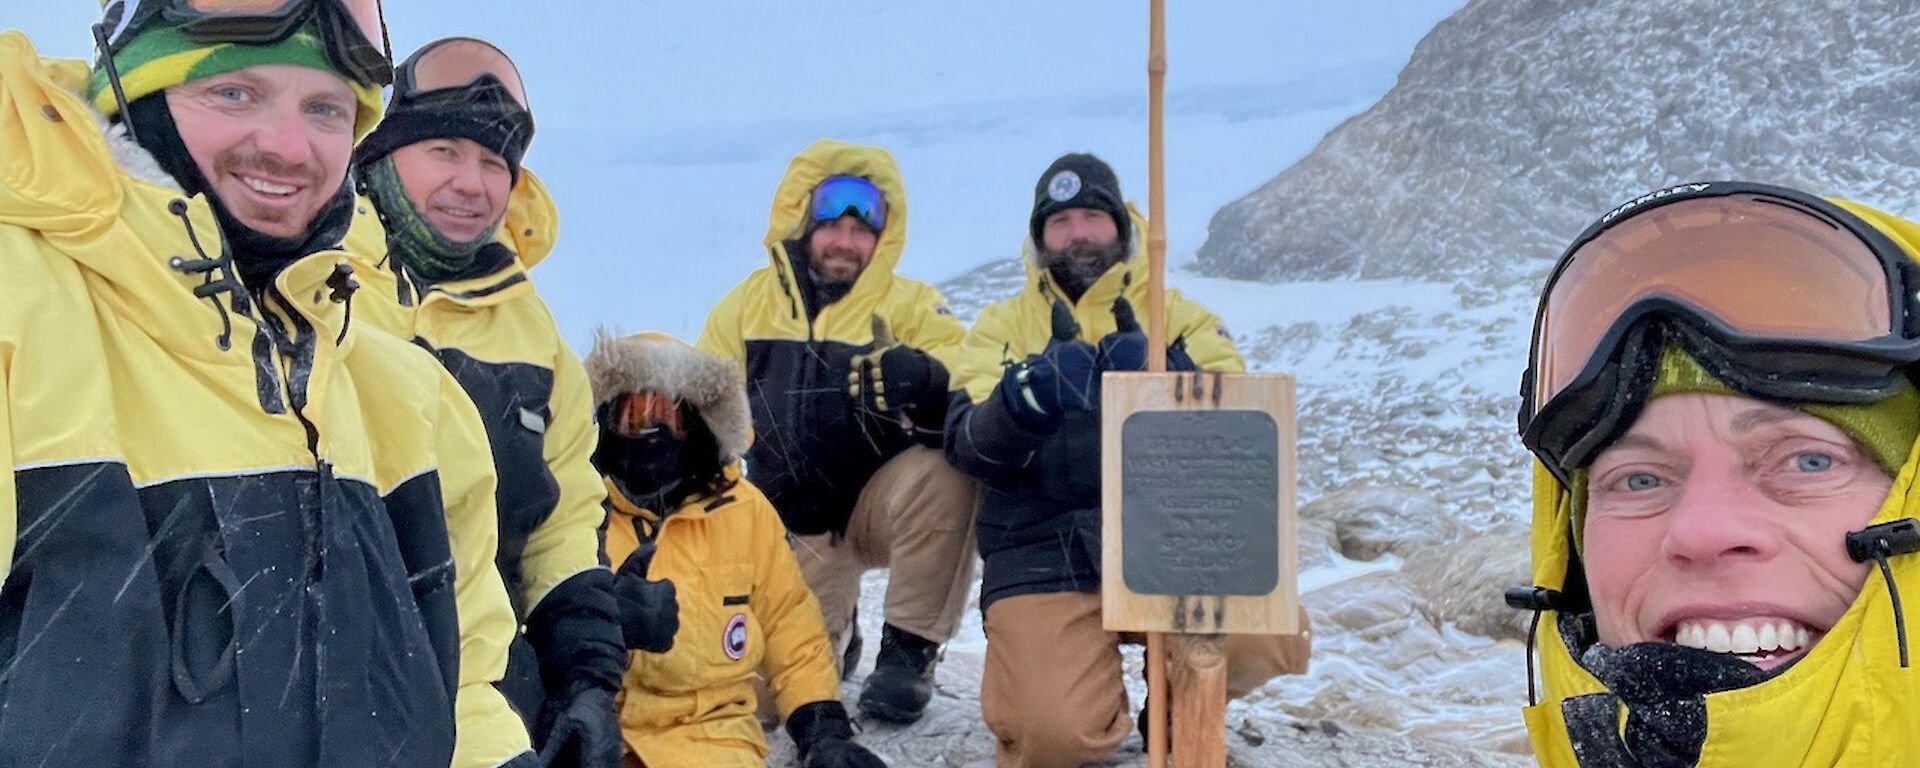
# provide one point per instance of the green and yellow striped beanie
(1885, 429)
(160, 56)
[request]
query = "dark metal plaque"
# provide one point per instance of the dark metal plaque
(1199, 502)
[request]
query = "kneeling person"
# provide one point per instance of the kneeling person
(705, 570)
(1026, 421)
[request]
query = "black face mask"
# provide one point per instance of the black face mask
(649, 470)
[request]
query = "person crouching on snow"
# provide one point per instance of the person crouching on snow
(709, 591)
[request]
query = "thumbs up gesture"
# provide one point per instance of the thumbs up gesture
(1062, 377)
(649, 610)
(897, 381)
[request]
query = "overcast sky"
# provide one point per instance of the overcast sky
(663, 127)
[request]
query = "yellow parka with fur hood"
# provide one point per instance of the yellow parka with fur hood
(743, 604)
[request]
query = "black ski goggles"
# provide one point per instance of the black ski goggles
(354, 31)
(460, 63)
(1781, 294)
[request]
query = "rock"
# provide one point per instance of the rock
(1462, 583)
(1518, 122)
(1373, 519)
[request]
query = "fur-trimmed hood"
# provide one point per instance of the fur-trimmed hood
(656, 362)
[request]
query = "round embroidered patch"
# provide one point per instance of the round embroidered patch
(1063, 186)
(734, 640)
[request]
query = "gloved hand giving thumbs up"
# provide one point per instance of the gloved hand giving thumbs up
(895, 380)
(1126, 348)
(1063, 377)
(649, 610)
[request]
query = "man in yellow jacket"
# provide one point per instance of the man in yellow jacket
(673, 424)
(441, 174)
(847, 374)
(236, 531)
(1026, 420)
(1720, 396)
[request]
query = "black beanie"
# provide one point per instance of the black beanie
(1078, 180)
(482, 111)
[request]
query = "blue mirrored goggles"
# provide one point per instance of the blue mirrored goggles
(842, 195)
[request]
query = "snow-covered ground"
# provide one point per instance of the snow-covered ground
(1412, 487)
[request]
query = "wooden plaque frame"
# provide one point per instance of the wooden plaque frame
(1125, 394)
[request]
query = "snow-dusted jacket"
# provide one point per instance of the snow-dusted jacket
(743, 604)
(1039, 520)
(498, 339)
(812, 453)
(1847, 702)
(235, 532)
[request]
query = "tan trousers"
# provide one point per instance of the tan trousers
(1051, 691)
(914, 517)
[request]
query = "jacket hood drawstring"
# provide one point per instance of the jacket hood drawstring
(1877, 543)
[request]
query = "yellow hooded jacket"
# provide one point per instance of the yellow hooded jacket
(497, 337)
(1027, 527)
(743, 603)
(810, 454)
(1846, 703)
(220, 544)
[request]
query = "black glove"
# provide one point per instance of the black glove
(1126, 348)
(649, 610)
(584, 732)
(893, 377)
(1063, 377)
(824, 734)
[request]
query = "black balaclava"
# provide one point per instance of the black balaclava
(257, 256)
(658, 471)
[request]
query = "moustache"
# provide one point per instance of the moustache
(241, 162)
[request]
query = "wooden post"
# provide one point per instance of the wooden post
(1199, 661)
(1156, 330)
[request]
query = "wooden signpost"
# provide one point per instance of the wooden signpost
(1198, 502)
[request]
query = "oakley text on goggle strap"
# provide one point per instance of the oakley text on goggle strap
(1792, 296)
(841, 195)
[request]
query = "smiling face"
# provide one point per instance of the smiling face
(459, 186)
(1719, 523)
(272, 141)
(839, 250)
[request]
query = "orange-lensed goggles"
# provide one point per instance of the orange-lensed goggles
(1788, 295)
(354, 31)
(639, 414)
(458, 62)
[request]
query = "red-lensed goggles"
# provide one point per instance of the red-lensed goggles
(353, 31)
(1784, 295)
(640, 414)
(839, 196)
(459, 62)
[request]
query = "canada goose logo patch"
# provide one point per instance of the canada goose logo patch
(734, 640)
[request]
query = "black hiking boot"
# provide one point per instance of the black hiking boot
(902, 680)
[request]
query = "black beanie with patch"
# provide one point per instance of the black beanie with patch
(1078, 180)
